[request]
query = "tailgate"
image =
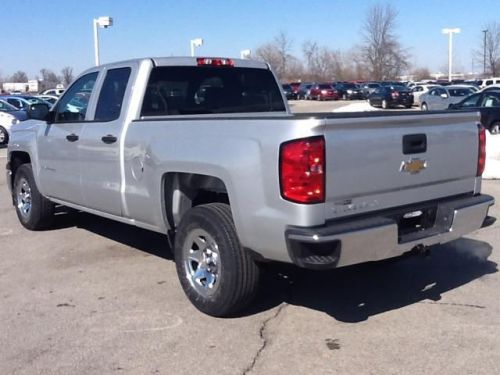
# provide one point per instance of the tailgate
(380, 162)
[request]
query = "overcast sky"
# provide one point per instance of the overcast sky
(53, 34)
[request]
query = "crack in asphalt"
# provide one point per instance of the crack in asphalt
(264, 338)
(454, 304)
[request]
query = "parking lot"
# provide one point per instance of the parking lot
(93, 296)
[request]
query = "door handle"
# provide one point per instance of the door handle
(72, 137)
(109, 139)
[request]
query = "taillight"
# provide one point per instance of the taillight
(481, 153)
(394, 94)
(302, 170)
(203, 61)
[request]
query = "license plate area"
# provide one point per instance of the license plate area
(415, 221)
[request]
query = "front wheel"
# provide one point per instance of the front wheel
(4, 136)
(218, 276)
(384, 104)
(34, 211)
(424, 107)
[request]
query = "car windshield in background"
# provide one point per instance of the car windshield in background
(6, 107)
(460, 92)
(183, 90)
(399, 88)
(325, 87)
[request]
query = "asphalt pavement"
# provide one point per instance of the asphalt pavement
(92, 296)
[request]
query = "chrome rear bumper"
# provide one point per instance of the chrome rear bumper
(379, 236)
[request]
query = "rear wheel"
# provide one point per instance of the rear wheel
(218, 276)
(384, 104)
(424, 107)
(34, 211)
(4, 136)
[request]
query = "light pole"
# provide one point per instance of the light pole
(100, 22)
(484, 53)
(450, 32)
(245, 54)
(198, 42)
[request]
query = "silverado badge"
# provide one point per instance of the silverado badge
(413, 166)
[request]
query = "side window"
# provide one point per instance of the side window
(491, 100)
(15, 102)
(110, 100)
(471, 101)
(73, 105)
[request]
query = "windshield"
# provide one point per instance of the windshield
(6, 107)
(184, 90)
(325, 87)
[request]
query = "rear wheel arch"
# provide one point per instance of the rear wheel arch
(183, 191)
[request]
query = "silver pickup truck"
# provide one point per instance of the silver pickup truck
(206, 151)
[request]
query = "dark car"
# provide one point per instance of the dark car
(391, 96)
(349, 91)
(288, 91)
(304, 91)
(488, 104)
(9, 108)
(323, 91)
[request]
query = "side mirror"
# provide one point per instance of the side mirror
(444, 96)
(38, 111)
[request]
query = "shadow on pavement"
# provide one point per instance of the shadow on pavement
(353, 294)
(349, 294)
(140, 239)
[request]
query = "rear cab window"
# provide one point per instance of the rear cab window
(188, 90)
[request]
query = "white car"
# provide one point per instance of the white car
(440, 97)
(6, 122)
(418, 90)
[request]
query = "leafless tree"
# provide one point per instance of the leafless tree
(67, 75)
(19, 76)
(49, 79)
(492, 50)
(420, 74)
(323, 64)
(278, 54)
(383, 54)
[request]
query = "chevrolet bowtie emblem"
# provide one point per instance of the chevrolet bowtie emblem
(413, 166)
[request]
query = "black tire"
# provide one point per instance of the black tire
(4, 136)
(385, 105)
(234, 274)
(424, 107)
(35, 212)
(408, 106)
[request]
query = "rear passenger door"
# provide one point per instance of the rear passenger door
(100, 143)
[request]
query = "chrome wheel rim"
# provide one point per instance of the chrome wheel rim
(2, 136)
(201, 260)
(23, 193)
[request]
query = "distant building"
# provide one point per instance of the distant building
(31, 86)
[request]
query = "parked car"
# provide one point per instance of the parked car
(52, 99)
(295, 88)
(7, 120)
(391, 96)
(10, 109)
(441, 97)
(369, 87)
(488, 104)
(304, 90)
(22, 102)
(490, 81)
(349, 91)
(54, 92)
(418, 90)
(288, 91)
(323, 91)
